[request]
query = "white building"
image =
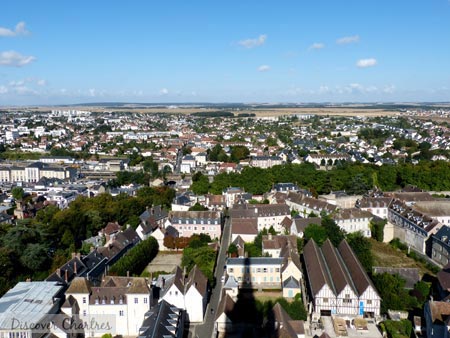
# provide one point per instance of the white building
(189, 293)
(354, 220)
(120, 301)
(337, 282)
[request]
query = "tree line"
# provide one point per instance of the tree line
(354, 178)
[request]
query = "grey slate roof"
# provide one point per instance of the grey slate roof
(254, 261)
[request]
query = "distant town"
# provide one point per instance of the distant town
(225, 221)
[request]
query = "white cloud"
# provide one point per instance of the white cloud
(92, 92)
(390, 89)
(364, 63)
(163, 91)
(3, 90)
(317, 45)
(41, 82)
(252, 43)
(20, 29)
(14, 59)
(263, 68)
(347, 40)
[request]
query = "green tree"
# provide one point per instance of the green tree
(316, 232)
(377, 228)
(239, 153)
(198, 207)
(34, 257)
(334, 232)
(200, 184)
(362, 248)
(17, 193)
(392, 292)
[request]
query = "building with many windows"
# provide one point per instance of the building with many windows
(188, 223)
(337, 283)
(256, 272)
(119, 302)
(34, 172)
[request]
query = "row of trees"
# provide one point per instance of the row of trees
(35, 247)
(135, 260)
(355, 178)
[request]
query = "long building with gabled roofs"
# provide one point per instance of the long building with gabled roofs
(337, 282)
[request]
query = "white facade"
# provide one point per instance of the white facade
(123, 305)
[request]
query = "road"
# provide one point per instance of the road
(206, 329)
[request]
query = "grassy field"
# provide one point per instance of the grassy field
(385, 255)
(259, 112)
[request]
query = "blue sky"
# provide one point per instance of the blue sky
(55, 52)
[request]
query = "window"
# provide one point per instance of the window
(325, 300)
(369, 302)
(84, 313)
(258, 270)
(203, 228)
(145, 300)
(265, 270)
(136, 300)
(277, 269)
(230, 270)
(121, 313)
(195, 228)
(176, 293)
(84, 300)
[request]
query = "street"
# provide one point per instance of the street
(207, 328)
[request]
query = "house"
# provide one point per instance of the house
(151, 219)
(340, 199)
(353, 220)
(377, 206)
(26, 310)
(265, 161)
(326, 159)
(163, 320)
(245, 228)
(440, 246)
(188, 223)
(256, 272)
(215, 202)
(267, 215)
(337, 283)
(437, 319)
(233, 318)
(189, 293)
(285, 187)
(233, 195)
(284, 326)
(411, 226)
(188, 163)
(299, 225)
(443, 284)
(125, 300)
(306, 205)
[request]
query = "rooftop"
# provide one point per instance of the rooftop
(28, 302)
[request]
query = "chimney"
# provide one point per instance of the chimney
(79, 255)
(58, 272)
(75, 267)
(66, 275)
(153, 211)
(128, 273)
(270, 236)
(73, 255)
(28, 280)
(256, 210)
